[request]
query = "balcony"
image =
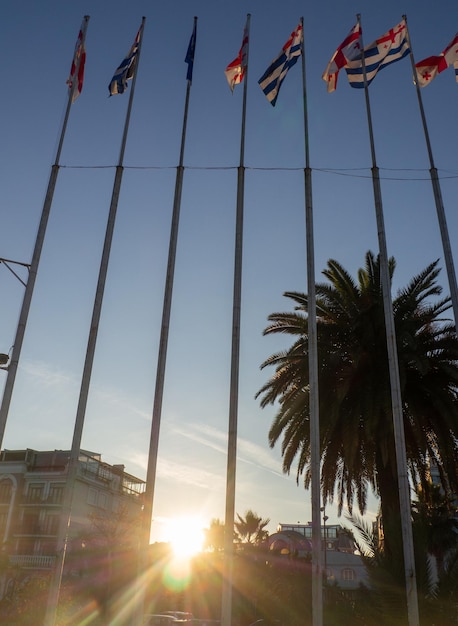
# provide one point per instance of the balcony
(32, 561)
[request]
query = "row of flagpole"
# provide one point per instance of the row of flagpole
(358, 62)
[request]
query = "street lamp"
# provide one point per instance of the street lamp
(5, 363)
(325, 519)
(4, 360)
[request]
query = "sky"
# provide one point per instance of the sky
(37, 42)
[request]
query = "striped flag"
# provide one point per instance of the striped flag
(429, 68)
(235, 71)
(126, 70)
(190, 54)
(273, 77)
(348, 50)
(76, 77)
(389, 48)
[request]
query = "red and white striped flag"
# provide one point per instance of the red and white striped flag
(235, 71)
(349, 50)
(77, 69)
(429, 68)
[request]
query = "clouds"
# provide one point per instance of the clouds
(247, 451)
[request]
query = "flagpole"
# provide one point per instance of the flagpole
(33, 269)
(317, 567)
(396, 400)
(162, 356)
(162, 359)
(437, 193)
(72, 469)
(226, 608)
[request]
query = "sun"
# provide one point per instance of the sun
(186, 536)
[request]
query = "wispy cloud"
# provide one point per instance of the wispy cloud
(198, 477)
(46, 376)
(104, 399)
(42, 372)
(247, 451)
(180, 473)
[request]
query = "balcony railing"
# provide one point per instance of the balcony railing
(32, 561)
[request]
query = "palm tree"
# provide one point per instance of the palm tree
(434, 515)
(214, 536)
(356, 428)
(252, 528)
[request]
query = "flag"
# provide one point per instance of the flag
(348, 50)
(391, 47)
(126, 70)
(77, 69)
(235, 71)
(274, 75)
(190, 54)
(429, 68)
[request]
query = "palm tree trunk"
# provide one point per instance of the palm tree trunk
(390, 509)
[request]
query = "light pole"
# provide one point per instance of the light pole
(325, 519)
(5, 358)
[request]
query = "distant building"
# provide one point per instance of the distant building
(32, 487)
(334, 536)
(340, 561)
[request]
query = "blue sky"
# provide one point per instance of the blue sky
(37, 41)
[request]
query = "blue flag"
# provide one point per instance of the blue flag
(190, 54)
(274, 75)
(126, 70)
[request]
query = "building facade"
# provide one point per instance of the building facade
(32, 485)
(341, 564)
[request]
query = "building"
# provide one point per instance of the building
(32, 487)
(343, 566)
(333, 536)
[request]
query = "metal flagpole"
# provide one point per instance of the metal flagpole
(317, 569)
(167, 305)
(396, 401)
(437, 193)
(226, 608)
(62, 542)
(26, 302)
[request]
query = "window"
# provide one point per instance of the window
(25, 546)
(103, 500)
(35, 493)
(31, 522)
(92, 497)
(51, 525)
(56, 492)
(3, 522)
(348, 574)
(6, 489)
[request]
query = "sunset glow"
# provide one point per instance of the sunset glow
(186, 536)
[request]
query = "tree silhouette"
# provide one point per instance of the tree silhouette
(356, 426)
(251, 529)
